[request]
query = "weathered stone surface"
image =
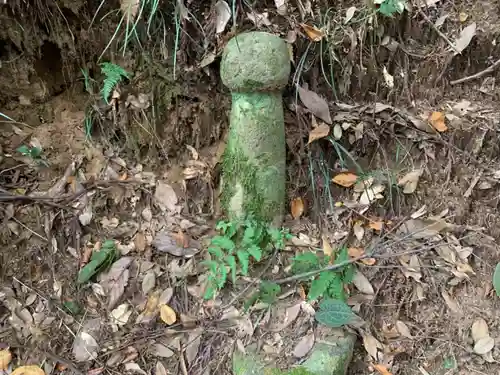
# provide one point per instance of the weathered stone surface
(255, 66)
(331, 356)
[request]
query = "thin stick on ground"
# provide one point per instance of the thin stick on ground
(368, 254)
(440, 33)
(489, 69)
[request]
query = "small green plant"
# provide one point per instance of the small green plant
(334, 313)
(33, 152)
(114, 74)
(390, 7)
(329, 283)
(99, 261)
(232, 250)
(268, 293)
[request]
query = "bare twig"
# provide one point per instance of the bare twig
(369, 254)
(489, 69)
(440, 33)
(256, 281)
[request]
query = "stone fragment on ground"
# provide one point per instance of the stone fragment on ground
(331, 355)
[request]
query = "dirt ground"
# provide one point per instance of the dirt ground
(144, 169)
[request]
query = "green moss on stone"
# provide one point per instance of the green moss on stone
(255, 61)
(254, 160)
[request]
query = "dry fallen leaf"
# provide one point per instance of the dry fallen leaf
(297, 207)
(160, 369)
(167, 314)
(465, 38)
(371, 194)
(371, 345)
(85, 347)
(479, 330)
(315, 104)
(222, 15)
(165, 196)
(5, 358)
(193, 344)
(355, 252)
(403, 329)
(116, 279)
(134, 367)
(259, 19)
(149, 282)
(320, 131)
(358, 230)
(437, 121)
(376, 225)
(161, 350)
(450, 302)
(121, 314)
(361, 282)
(381, 369)
(327, 248)
(484, 345)
(28, 370)
(410, 181)
(312, 32)
(411, 267)
(345, 179)
(304, 346)
(177, 244)
(129, 9)
(349, 14)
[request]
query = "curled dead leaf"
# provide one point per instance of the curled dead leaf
(345, 179)
(437, 121)
(382, 369)
(28, 370)
(403, 329)
(484, 345)
(410, 181)
(167, 314)
(320, 131)
(129, 9)
(315, 104)
(376, 225)
(362, 283)
(313, 32)
(479, 330)
(371, 345)
(304, 346)
(450, 302)
(5, 358)
(297, 207)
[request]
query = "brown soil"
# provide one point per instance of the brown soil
(177, 135)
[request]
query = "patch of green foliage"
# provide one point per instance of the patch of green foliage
(33, 152)
(232, 250)
(334, 313)
(268, 293)
(114, 74)
(390, 7)
(99, 261)
(329, 283)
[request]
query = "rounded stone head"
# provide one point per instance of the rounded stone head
(255, 61)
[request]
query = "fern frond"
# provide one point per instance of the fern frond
(114, 74)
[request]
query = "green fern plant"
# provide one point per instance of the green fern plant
(330, 283)
(114, 74)
(232, 250)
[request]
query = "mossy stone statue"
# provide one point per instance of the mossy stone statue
(255, 66)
